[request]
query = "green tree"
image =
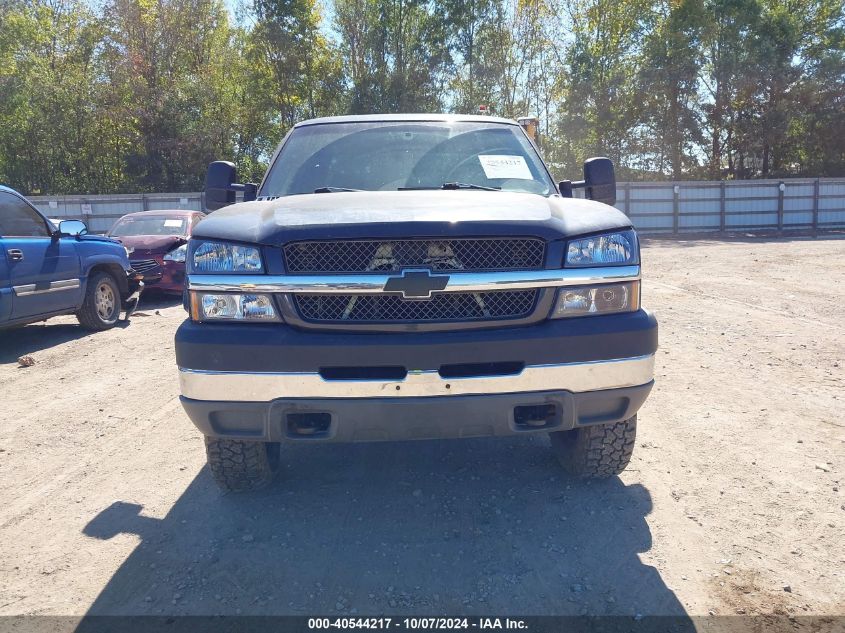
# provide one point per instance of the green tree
(814, 144)
(167, 68)
(139, 95)
(51, 119)
(293, 69)
(598, 109)
(395, 54)
(668, 105)
(474, 28)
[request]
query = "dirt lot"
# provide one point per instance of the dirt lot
(733, 503)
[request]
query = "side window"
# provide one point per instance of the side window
(18, 219)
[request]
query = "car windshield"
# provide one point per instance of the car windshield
(150, 225)
(390, 156)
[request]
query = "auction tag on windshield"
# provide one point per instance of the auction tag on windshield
(503, 166)
(173, 223)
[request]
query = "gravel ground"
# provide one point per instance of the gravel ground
(733, 502)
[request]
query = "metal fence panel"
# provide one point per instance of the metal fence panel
(832, 188)
(798, 189)
(746, 205)
(697, 206)
(101, 212)
(638, 207)
(644, 194)
(654, 207)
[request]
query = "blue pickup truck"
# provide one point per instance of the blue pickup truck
(46, 270)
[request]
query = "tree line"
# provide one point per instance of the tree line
(139, 95)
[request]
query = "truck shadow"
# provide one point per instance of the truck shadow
(457, 528)
(29, 339)
(153, 299)
(36, 337)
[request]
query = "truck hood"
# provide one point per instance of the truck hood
(93, 237)
(385, 214)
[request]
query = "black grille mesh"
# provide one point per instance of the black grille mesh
(393, 255)
(144, 265)
(450, 306)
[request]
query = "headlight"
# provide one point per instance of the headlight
(220, 257)
(177, 254)
(597, 300)
(232, 307)
(610, 249)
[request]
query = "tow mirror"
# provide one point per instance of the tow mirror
(599, 181)
(221, 188)
(72, 228)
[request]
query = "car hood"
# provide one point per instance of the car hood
(377, 214)
(151, 244)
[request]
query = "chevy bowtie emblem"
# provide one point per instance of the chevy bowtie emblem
(416, 284)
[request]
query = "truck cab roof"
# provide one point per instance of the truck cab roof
(385, 118)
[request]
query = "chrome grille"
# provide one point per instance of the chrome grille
(447, 306)
(144, 265)
(356, 256)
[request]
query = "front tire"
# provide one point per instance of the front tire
(238, 465)
(101, 307)
(596, 452)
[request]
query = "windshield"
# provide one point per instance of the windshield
(387, 156)
(150, 225)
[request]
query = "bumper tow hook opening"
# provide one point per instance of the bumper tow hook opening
(535, 416)
(363, 373)
(481, 370)
(308, 424)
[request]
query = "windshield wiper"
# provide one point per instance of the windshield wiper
(452, 186)
(467, 185)
(334, 190)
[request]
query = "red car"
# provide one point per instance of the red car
(157, 242)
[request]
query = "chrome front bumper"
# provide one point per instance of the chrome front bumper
(266, 386)
(375, 283)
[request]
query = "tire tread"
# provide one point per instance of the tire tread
(598, 451)
(238, 465)
(87, 315)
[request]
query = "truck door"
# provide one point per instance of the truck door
(5, 286)
(44, 271)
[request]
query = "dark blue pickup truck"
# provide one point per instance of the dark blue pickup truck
(46, 271)
(411, 277)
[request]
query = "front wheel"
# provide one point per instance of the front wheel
(238, 465)
(101, 307)
(596, 451)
